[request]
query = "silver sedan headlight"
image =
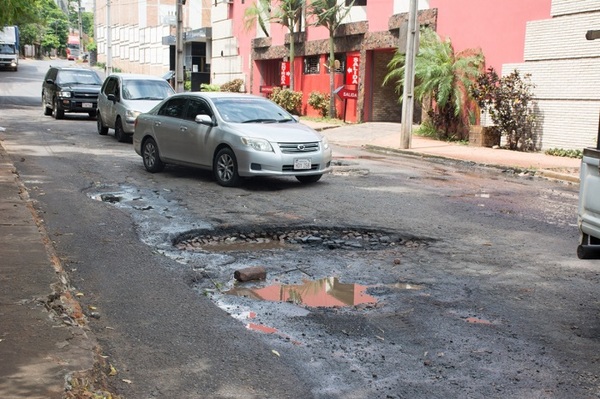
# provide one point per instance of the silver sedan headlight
(131, 115)
(325, 143)
(257, 144)
(64, 94)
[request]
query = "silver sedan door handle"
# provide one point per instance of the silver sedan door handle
(183, 128)
(157, 123)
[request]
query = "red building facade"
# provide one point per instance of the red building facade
(497, 27)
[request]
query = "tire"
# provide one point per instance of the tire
(119, 132)
(102, 130)
(151, 156)
(583, 252)
(56, 111)
(47, 110)
(307, 179)
(92, 114)
(225, 168)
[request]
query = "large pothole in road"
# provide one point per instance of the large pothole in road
(356, 239)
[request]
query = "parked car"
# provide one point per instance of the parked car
(234, 135)
(123, 97)
(70, 89)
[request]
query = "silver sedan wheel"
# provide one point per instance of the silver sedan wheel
(225, 168)
(151, 157)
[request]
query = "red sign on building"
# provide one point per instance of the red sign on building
(284, 74)
(352, 69)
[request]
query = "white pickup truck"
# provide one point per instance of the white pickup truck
(588, 218)
(588, 215)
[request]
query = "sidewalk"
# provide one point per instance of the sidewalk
(38, 349)
(386, 136)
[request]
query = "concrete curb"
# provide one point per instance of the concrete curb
(546, 173)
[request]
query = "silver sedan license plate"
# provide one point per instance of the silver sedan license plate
(302, 163)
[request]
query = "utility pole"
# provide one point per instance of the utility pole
(408, 98)
(108, 40)
(179, 47)
(80, 26)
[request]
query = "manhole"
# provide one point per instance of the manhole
(326, 292)
(356, 239)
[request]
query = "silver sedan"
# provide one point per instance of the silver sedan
(234, 135)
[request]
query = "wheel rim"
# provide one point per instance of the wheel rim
(225, 167)
(149, 154)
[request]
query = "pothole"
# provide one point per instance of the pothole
(110, 198)
(353, 239)
(325, 292)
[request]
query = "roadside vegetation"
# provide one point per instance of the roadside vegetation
(43, 24)
(560, 152)
(443, 78)
(509, 101)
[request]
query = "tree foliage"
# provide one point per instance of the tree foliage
(17, 12)
(509, 101)
(258, 13)
(288, 13)
(442, 75)
(330, 14)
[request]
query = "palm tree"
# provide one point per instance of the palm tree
(442, 75)
(330, 14)
(289, 14)
(259, 12)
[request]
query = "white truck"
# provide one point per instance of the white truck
(588, 218)
(588, 214)
(9, 47)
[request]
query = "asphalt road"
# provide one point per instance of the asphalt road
(480, 295)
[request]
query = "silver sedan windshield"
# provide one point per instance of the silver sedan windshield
(250, 110)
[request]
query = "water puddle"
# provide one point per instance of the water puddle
(326, 292)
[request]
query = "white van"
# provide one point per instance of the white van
(123, 97)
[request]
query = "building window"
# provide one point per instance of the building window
(311, 65)
(356, 3)
(340, 63)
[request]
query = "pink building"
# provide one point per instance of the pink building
(374, 31)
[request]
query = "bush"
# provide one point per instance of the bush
(209, 87)
(509, 100)
(290, 100)
(234, 86)
(559, 152)
(320, 102)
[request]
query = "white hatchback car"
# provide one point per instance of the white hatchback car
(234, 135)
(123, 97)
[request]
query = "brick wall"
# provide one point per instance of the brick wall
(385, 99)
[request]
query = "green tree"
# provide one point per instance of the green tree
(17, 12)
(258, 13)
(442, 76)
(49, 28)
(509, 102)
(330, 14)
(289, 14)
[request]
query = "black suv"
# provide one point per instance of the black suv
(70, 89)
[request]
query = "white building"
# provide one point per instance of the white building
(565, 67)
